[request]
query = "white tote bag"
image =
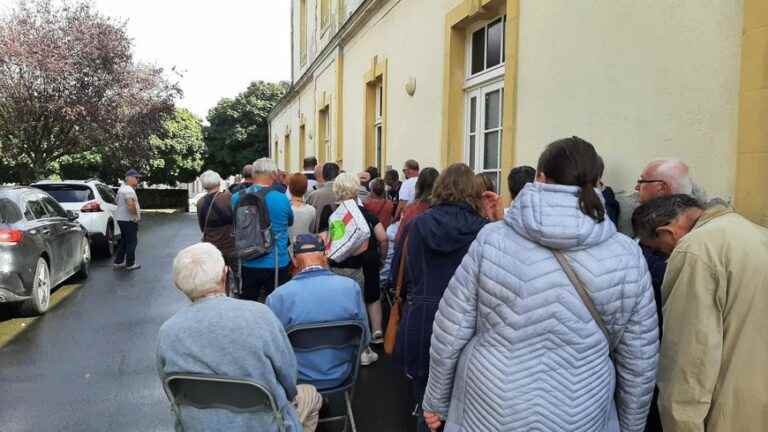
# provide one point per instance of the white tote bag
(348, 232)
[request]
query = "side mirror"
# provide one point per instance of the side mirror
(72, 216)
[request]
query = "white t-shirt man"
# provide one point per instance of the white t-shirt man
(408, 190)
(123, 213)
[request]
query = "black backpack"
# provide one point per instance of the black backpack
(252, 227)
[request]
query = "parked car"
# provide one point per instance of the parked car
(95, 205)
(41, 246)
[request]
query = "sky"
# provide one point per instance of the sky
(219, 46)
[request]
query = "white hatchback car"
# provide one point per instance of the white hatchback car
(95, 205)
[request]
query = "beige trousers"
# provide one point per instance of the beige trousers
(308, 403)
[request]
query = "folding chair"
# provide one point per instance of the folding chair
(237, 395)
(333, 335)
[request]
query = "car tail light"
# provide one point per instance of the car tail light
(10, 237)
(91, 207)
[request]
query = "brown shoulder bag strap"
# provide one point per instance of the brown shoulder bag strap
(401, 270)
(583, 293)
(210, 210)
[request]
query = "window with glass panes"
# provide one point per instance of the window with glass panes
(324, 135)
(378, 125)
(485, 99)
(325, 13)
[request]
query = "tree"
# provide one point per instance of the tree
(69, 84)
(178, 151)
(239, 127)
(176, 155)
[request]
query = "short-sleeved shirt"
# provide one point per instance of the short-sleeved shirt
(302, 220)
(281, 217)
(123, 213)
(408, 190)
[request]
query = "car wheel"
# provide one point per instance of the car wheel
(108, 247)
(85, 262)
(41, 290)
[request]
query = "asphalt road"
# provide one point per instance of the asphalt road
(89, 363)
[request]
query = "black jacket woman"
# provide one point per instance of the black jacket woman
(437, 242)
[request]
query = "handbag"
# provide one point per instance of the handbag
(584, 295)
(390, 336)
(211, 208)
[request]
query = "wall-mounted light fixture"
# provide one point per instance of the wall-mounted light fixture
(410, 86)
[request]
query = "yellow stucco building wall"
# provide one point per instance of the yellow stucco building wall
(673, 79)
(752, 177)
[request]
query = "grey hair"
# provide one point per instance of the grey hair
(198, 269)
(660, 212)
(675, 173)
(264, 166)
(346, 186)
(247, 171)
(210, 179)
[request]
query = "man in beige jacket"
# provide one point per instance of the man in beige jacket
(713, 372)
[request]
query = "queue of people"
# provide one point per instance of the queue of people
(539, 316)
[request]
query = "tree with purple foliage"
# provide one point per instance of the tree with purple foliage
(69, 84)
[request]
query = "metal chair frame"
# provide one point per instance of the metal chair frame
(314, 341)
(268, 403)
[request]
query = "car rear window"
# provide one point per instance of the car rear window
(9, 211)
(65, 193)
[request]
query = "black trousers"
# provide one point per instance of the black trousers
(129, 239)
(258, 280)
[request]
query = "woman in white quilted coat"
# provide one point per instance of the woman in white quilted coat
(514, 347)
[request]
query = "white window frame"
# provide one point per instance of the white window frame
(486, 73)
(476, 161)
(327, 137)
(478, 86)
(325, 26)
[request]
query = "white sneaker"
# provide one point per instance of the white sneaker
(368, 357)
(378, 338)
(133, 267)
(118, 266)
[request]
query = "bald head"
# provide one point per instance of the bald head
(664, 177)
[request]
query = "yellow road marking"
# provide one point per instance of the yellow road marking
(14, 327)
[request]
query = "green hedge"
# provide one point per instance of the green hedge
(154, 199)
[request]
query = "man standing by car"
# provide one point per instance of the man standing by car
(128, 217)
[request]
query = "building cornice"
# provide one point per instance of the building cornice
(349, 29)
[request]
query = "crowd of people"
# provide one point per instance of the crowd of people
(562, 311)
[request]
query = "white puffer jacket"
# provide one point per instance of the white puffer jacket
(515, 349)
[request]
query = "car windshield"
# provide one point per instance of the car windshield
(68, 193)
(9, 211)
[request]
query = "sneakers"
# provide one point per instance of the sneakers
(117, 266)
(122, 266)
(133, 267)
(368, 357)
(378, 338)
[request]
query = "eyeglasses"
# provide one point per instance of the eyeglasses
(641, 181)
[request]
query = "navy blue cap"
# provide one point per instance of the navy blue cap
(132, 173)
(308, 243)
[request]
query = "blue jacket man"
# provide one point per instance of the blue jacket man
(258, 275)
(315, 295)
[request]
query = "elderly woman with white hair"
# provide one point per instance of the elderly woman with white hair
(235, 338)
(363, 268)
(214, 215)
